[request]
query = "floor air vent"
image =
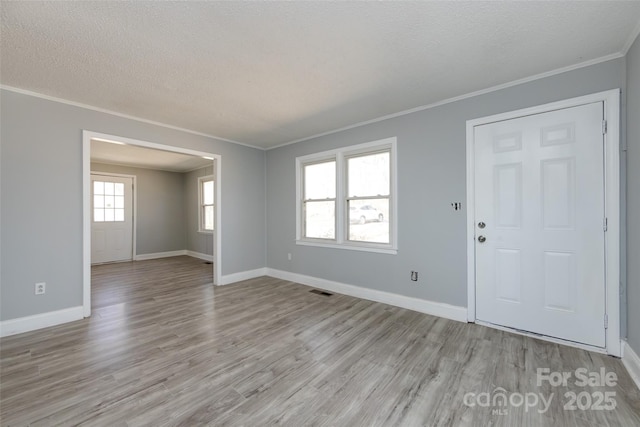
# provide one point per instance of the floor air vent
(208, 262)
(323, 293)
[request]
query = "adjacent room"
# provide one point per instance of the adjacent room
(320, 213)
(146, 204)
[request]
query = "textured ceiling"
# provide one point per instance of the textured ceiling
(131, 155)
(268, 73)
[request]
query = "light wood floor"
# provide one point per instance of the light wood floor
(164, 347)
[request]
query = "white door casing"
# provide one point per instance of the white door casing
(543, 180)
(111, 218)
(87, 137)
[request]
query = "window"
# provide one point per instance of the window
(206, 198)
(319, 200)
(346, 198)
(368, 194)
(108, 201)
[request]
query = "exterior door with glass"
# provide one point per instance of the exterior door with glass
(111, 218)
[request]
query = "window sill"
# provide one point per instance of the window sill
(349, 246)
(205, 231)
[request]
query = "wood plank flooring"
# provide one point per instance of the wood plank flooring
(165, 347)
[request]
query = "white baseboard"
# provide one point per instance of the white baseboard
(194, 254)
(228, 279)
(631, 361)
(39, 321)
(144, 257)
(439, 309)
(200, 255)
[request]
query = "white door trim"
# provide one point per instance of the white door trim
(135, 205)
(611, 101)
(87, 136)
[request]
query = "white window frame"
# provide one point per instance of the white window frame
(341, 156)
(201, 205)
(303, 200)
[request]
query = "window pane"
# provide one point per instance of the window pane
(98, 201)
(119, 202)
(208, 217)
(108, 215)
(320, 220)
(207, 192)
(119, 214)
(109, 202)
(369, 220)
(369, 175)
(320, 181)
(98, 215)
(119, 189)
(108, 188)
(98, 187)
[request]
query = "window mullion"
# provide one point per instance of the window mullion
(367, 197)
(328, 199)
(340, 202)
(370, 231)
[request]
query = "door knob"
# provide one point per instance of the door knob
(482, 239)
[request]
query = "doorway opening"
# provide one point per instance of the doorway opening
(191, 162)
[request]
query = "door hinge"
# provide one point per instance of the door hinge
(604, 127)
(605, 224)
(606, 321)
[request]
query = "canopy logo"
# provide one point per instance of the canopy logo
(499, 400)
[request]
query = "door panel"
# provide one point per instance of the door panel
(111, 218)
(539, 188)
(559, 281)
(508, 195)
(509, 275)
(558, 194)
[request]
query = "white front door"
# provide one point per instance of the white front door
(111, 218)
(539, 224)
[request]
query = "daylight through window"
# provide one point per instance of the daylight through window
(206, 200)
(108, 201)
(346, 197)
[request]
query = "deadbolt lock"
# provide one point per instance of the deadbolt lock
(481, 224)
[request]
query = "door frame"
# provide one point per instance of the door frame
(611, 99)
(134, 205)
(87, 136)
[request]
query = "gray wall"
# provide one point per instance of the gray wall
(431, 175)
(41, 186)
(41, 210)
(161, 210)
(633, 196)
(196, 241)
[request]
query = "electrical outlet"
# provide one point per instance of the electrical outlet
(289, 257)
(414, 276)
(40, 288)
